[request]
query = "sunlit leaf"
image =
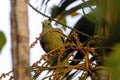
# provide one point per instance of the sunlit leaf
(2, 40)
(74, 14)
(60, 16)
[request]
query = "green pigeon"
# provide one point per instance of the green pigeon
(51, 40)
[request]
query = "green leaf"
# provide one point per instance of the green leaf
(114, 62)
(2, 40)
(62, 12)
(69, 76)
(86, 26)
(63, 5)
(63, 20)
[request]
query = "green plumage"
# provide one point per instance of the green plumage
(51, 40)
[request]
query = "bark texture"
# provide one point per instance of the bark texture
(20, 39)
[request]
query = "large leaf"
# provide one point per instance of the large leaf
(2, 40)
(61, 12)
(86, 24)
(113, 62)
(63, 5)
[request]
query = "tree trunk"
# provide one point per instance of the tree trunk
(20, 39)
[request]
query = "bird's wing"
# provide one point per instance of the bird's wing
(62, 36)
(42, 44)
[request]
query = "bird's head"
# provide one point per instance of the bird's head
(46, 23)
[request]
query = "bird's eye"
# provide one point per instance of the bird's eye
(48, 23)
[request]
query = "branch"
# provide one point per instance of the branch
(59, 22)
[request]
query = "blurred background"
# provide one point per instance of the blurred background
(93, 17)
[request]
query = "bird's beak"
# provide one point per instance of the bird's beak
(42, 23)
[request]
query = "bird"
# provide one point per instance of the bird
(51, 40)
